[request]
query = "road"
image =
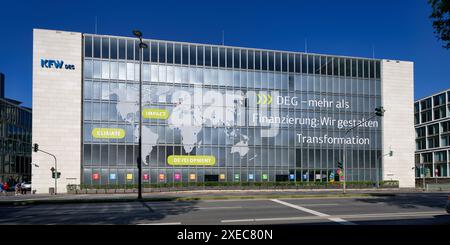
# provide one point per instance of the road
(405, 208)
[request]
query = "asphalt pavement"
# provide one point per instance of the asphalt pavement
(401, 208)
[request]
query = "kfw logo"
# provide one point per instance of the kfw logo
(57, 64)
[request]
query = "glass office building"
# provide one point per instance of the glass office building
(251, 114)
(432, 124)
(215, 113)
(15, 142)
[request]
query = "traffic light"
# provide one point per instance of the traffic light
(35, 147)
(379, 111)
(340, 165)
(53, 175)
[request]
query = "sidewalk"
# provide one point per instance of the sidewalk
(197, 195)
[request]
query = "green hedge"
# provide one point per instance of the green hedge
(299, 185)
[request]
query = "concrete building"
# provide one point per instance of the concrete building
(215, 113)
(432, 124)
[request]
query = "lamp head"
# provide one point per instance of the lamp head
(137, 33)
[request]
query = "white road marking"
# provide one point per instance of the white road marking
(342, 221)
(213, 208)
(319, 204)
(168, 223)
(307, 210)
(339, 219)
(388, 215)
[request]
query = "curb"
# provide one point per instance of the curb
(180, 199)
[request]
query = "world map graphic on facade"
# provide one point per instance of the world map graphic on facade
(188, 119)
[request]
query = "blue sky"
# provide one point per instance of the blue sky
(397, 29)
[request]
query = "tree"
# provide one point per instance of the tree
(440, 16)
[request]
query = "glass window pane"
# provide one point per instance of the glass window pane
(372, 69)
(162, 53)
(336, 66)
(215, 57)
(121, 49)
(170, 53)
(185, 55)
(113, 48)
(105, 70)
(147, 52)
(105, 91)
(347, 67)
(105, 48)
(257, 60)
(304, 63)
(377, 72)
(122, 71)
(341, 66)
(354, 70)
(130, 71)
(177, 54)
(154, 52)
(271, 61)
(200, 55)
(96, 47)
(87, 90)
(114, 70)
(229, 57)
(243, 59)
(323, 65)
(88, 68)
(207, 56)
(310, 64)
(360, 68)
(366, 68)
(291, 63)
(298, 63)
(222, 57)
(330, 66)
(130, 49)
(192, 55)
(97, 69)
(236, 54)
(316, 64)
(250, 59)
(87, 46)
(137, 51)
(146, 72)
(264, 60)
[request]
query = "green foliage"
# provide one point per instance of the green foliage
(440, 16)
(246, 185)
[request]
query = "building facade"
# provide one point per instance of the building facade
(15, 140)
(215, 113)
(432, 124)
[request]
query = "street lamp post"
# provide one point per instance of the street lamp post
(142, 45)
